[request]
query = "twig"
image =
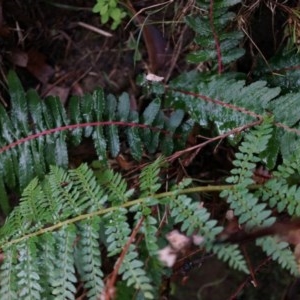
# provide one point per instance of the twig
(113, 276)
(94, 29)
(198, 147)
(242, 285)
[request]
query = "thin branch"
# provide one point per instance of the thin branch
(75, 126)
(113, 277)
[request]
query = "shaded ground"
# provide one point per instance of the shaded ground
(54, 53)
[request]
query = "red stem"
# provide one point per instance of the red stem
(75, 126)
(217, 42)
(113, 277)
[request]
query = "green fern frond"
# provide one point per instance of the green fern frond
(228, 103)
(36, 134)
(64, 279)
(115, 186)
(60, 241)
(245, 204)
(218, 44)
(195, 219)
(149, 229)
(280, 252)
(132, 271)
(28, 270)
(8, 275)
(117, 230)
(92, 196)
(149, 178)
(88, 255)
(282, 190)
(47, 253)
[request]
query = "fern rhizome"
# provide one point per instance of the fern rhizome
(87, 228)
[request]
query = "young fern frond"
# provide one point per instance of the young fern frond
(149, 185)
(117, 230)
(115, 186)
(149, 178)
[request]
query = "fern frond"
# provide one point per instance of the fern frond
(28, 271)
(117, 230)
(64, 279)
(246, 205)
(212, 26)
(279, 252)
(47, 257)
(115, 186)
(132, 271)
(63, 189)
(281, 191)
(149, 229)
(149, 179)
(8, 275)
(195, 219)
(92, 196)
(89, 257)
(43, 131)
(228, 103)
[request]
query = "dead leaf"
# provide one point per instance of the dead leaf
(19, 58)
(38, 66)
(57, 91)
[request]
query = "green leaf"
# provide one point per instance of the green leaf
(151, 112)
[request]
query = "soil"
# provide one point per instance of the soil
(51, 50)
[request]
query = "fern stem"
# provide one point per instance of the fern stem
(81, 125)
(218, 102)
(217, 42)
(219, 137)
(199, 189)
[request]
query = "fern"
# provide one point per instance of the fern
(27, 271)
(245, 204)
(64, 279)
(196, 220)
(218, 44)
(282, 71)
(38, 134)
(68, 234)
(8, 275)
(88, 262)
(132, 271)
(281, 190)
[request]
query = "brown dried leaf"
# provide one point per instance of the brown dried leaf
(19, 58)
(38, 67)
